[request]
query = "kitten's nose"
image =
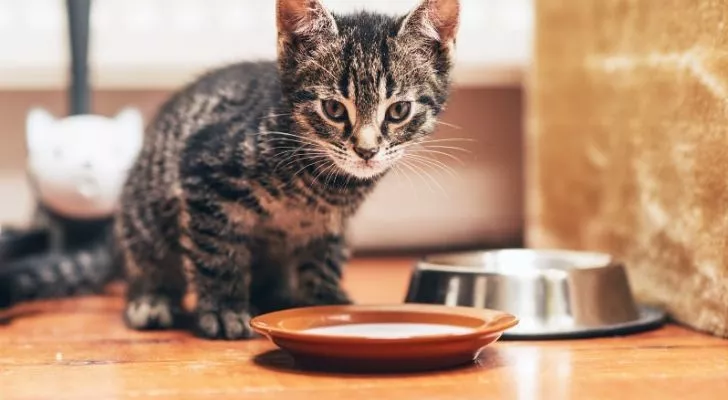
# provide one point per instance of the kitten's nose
(366, 153)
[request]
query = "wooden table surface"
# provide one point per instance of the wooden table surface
(79, 349)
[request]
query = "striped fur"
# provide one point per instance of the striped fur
(244, 185)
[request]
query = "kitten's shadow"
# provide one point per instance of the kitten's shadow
(280, 361)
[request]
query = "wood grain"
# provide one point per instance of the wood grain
(79, 349)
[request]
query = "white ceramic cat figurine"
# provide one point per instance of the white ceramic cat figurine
(78, 164)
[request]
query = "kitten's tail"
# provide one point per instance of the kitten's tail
(55, 275)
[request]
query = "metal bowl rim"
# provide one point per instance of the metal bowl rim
(430, 263)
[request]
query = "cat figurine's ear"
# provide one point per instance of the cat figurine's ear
(434, 19)
(130, 124)
(39, 125)
(308, 20)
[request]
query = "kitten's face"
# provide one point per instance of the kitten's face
(365, 87)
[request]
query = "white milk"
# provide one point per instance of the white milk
(388, 330)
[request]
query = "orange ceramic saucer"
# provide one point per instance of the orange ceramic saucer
(383, 338)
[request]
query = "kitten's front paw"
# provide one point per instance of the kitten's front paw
(150, 312)
(224, 324)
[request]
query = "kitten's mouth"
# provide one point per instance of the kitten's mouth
(364, 169)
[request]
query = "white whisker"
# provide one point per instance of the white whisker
(290, 136)
(435, 181)
(307, 166)
(348, 179)
(329, 175)
(287, 162)
(411, 168)
(302, 149)
(447, 148)
(398, 169)
(323, 171)
(442, 140)
(320, 168)
(425, 150)
(434, 163)
(274, 115)
(448, 124)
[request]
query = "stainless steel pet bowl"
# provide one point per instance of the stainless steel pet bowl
(554, 293)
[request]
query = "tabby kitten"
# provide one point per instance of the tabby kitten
(248, 176)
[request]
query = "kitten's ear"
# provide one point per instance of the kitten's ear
(38, 127)
(131, 124)
(305, 19)
(434, 19)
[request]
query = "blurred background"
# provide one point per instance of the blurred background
(142, 50)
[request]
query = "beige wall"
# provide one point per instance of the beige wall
(481, 205)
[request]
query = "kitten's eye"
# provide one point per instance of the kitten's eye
(399, 111)
(335, 110)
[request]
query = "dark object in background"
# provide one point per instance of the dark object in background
(70, 257)
(79, 93)
(16, 243)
